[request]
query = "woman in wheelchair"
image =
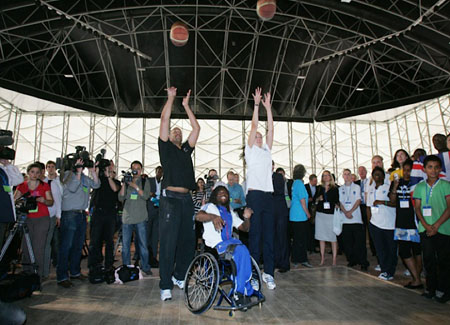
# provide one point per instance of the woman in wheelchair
(218, 222)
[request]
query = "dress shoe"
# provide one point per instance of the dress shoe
(65, 284)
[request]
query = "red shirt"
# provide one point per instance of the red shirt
(39, 191)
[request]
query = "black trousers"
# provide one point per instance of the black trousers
(281, 244)
(436, 260)
(103, 226)
(300, 241)
(386, 248)
(354, 245)
(153, 231)
(177, 239)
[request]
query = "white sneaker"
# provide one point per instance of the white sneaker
(385, 276)
(378, 268)
(166, 295)
(178, 283)
(268, 279)
(407, 273)
(255, 284)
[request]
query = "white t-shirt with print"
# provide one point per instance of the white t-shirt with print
(348, 195)
(211, 236)
(384, 217)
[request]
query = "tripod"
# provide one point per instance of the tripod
(22, 227)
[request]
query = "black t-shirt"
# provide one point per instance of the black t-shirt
(404, 216)
(331, 196)
(177, 165)
(104, 197)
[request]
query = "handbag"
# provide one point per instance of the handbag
(338, 220)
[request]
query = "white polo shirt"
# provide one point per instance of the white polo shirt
(211, 236)
(384, 218)
(370, 187)
(259, 168)
(348, 195)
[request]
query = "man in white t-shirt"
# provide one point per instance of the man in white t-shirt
(218, 223)
(259, 185)
(353, 229)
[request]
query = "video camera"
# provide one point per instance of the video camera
(6, 139)
(210, 181)
(69, 162)
(101, 162)
(26, 204)
(128, 176)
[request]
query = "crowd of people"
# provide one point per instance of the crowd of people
(401, 212)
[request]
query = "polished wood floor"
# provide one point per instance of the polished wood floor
(325, 295)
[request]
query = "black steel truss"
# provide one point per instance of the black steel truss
(321, 59)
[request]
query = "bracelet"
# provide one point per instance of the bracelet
(256, 104)
(385, 203)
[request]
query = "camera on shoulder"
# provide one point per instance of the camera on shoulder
(6, 139)
(70, 161)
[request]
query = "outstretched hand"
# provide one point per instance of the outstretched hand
(186, 99)
(171, 92)
(257, 95)
(266, 101)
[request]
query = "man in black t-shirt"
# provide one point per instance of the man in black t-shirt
(103, 220)
(176, 209)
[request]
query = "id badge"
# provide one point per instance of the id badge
(133, 196)
(426, 211)
(7, 188)
(326, 205)
(348, 206)
(404, 204)
(85, 189)
(374, 210)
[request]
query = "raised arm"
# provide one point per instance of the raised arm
(255, 117)
(193, 136)
(165, 114)
(268, 106)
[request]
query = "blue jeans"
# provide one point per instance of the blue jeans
(386, 248)
(72, 235)
(141, 239)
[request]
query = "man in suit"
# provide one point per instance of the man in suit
(153, 216)
(364, 182)
(311, 188)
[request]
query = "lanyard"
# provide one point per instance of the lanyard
(347, 195)
(325, 194)
(429, 194)
(4, 179)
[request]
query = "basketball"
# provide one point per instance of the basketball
(266, 9)
(179, 34)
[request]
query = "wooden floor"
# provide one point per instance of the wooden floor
(326, 295)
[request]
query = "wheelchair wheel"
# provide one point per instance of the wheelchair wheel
(256, 280)
(201, 283)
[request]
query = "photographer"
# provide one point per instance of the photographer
(103, 219)
(135, 216)
(9, 176)
(73, 221)
(212, 181)
(38, 220)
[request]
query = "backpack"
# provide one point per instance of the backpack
(127, 273)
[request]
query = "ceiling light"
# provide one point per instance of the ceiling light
(346, 1)
(68, 75)
(301, 77)
(359, 89)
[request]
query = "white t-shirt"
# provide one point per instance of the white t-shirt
(382, 216)
(368, 187)
(211, 236)
(348, 195)
(259, 168)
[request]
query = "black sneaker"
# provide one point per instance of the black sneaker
(428, 295)
(240, 301)
(443, 299)
(65, 284)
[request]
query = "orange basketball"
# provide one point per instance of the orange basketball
(179, 34)
(266, 9)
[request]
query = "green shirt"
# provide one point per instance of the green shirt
(437, 201)
(135, 208)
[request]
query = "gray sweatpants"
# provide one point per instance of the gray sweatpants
(38, 228)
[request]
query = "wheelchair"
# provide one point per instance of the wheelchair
(209, 274)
